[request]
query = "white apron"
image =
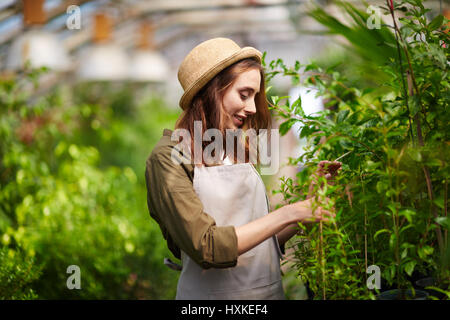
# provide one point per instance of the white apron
(233, 195)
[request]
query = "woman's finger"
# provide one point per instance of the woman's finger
(325, 213)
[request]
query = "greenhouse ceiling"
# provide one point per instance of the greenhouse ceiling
(167, 28)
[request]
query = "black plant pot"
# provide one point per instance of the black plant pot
(421, 284)
(309, 291)
(395, 294)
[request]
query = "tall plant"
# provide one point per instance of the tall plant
(368, 48)
(391, 196)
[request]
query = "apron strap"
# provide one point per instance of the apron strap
(172, 265)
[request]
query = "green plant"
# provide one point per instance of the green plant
(366, 49)
(64, 202)
(17, 273)
(391, 197)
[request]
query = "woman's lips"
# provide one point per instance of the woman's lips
(238, 121)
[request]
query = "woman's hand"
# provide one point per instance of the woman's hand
(282, 220)
(306, 212)
(327, 169)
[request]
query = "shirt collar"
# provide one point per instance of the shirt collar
(167, 132)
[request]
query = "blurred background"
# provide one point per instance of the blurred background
(87, 88)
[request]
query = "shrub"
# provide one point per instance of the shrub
(391, 197)
(64, 202)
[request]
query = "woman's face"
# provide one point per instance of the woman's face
(239, 99)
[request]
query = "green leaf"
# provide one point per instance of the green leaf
(434, 162)
(443, 221)
(392, 207)
(392, 240)
(297, 107)
(392, 271)
(409, 267)
(285, 126)
(367, 91)
(380, 232)
(436, 23)
(404, 253)
(306, 131)
(263, 58)
(275, 99)
(428, 250)
(416, 155)
(342, 115)
(381, 186)
(407, 214)
(439, 202)
(447, 293)
(409, 226)
(424, 251)
(346, 144)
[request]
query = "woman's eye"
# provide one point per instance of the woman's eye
(243, 97)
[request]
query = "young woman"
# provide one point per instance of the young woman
(215, 217)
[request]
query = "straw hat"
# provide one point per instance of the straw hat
(205, 61)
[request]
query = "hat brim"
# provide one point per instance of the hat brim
(189, 93)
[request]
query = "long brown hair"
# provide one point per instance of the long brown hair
(207, 106)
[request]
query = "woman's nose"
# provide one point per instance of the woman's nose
(250, 106)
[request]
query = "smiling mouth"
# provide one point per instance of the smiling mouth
(238, 120)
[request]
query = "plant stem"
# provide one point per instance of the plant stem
(405, 94)
(445, 211)
(412, 83)
(365, 226)
(433, 211)
(322, 267)
(361, 143)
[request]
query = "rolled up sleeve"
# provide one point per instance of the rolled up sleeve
(179, 212)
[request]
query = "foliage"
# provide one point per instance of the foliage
(366, 49)
(391, 196)
(17, 272)
(63, 202)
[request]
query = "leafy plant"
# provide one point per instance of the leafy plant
(17, 273)
(63, 202)
(366, 49)
(391, 197)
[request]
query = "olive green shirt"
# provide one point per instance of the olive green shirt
(175, 206)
